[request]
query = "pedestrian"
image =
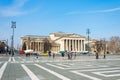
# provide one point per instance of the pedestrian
(53, 55)
(5, 50)
(9, 51)
(104, 56)
(62, 55)
(71, 54)
(75, 55)
(97, 56)
(36, 55)
(12, 53)
(68, 53)
(49, 53)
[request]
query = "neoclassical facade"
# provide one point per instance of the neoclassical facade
(60, 41)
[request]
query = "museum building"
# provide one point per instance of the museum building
(59, 41)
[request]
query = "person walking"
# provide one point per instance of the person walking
(68, 53)
(97, 56)
(62, 55)
(104, 55)
(53, 55)
(75, 54)
(71, 55)
(49, 53)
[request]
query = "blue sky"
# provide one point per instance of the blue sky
(41, 17)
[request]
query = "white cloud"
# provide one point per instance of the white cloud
(15, 9)
(109, 10)
(10, 12)
(96, 11)
(19, 3)
(74, 12)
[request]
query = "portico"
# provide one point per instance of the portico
(59, 41)
(73, 45)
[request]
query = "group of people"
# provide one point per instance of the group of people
(7, 51)
(51, 54)
(69, 54)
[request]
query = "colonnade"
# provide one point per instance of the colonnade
(55, 48)
(67, 44)
(36, 46)
(74, 45)
(39, 46)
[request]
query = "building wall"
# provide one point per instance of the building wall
(59, 41)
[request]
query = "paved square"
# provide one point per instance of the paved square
(44, 68)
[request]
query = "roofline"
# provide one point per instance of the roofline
(35, 36)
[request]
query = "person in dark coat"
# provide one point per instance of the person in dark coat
(49, 53)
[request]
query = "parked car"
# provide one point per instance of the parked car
(85, 52)
(35, 54)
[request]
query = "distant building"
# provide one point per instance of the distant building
(60, 41)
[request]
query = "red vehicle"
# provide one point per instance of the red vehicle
(21, 52)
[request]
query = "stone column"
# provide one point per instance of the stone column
(78, 45)
(63, 47)
(71, 48)
(81, 45)
(84, 44)
(38, 46)
(69, 45)
(73, 45)
(33, 45)
(41, 46)
(66, 44)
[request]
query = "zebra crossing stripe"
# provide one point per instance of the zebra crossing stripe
(84, 75)
(52, 72)
(102, 73)
(2, 69)
(9, 59)
(30, 73)
(99, 69)
(98, 72)
(55, 66)
(63, 65)
(13, 59)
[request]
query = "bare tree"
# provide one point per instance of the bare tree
(47, 45)
(99, 47)
(2, 46)
(24, 46)
(114, 44)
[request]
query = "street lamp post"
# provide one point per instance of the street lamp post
(12, 43)
(88, 32)
(104, 45)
